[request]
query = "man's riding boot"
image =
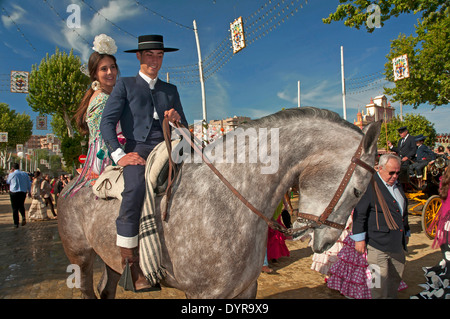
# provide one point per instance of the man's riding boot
(132, 272)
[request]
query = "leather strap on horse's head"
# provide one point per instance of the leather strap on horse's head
(323, 218)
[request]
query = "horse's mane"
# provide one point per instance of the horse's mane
(301, 113)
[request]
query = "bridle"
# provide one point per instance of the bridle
(323, 218)
(314, 221)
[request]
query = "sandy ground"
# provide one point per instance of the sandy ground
(292, 278)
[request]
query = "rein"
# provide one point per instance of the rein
(314, 220)
(166, 130)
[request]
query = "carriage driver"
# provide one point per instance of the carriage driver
(140, 103)
(423, 156)
(406, 148)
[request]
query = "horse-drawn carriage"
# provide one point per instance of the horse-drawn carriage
(425, 193)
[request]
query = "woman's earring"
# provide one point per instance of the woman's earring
(95, 85)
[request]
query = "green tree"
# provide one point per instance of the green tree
(417, 124)
(428, 52)
(354, 12)
(18, 126)
(429, 65)
(57, 86)
(71, 149)
(59, 126)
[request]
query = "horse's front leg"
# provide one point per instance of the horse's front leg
(85, 260)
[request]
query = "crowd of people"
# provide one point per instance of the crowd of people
(43, 191)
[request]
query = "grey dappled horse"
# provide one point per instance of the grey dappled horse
(213, 246)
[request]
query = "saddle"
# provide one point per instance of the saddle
(110, 183)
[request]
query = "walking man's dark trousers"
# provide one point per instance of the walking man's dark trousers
(18, 206)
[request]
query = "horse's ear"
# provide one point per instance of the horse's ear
(371, 134)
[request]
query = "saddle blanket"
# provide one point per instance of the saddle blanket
(110, 184)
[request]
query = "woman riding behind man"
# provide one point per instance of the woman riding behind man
(103, 72)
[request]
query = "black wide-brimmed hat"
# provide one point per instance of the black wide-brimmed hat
(151, 42)
(402, 129)
(420, 137)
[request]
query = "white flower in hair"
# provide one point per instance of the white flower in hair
(104, 44)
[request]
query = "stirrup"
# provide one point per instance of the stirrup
(126, 281)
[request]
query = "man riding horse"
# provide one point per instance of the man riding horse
(140, 103)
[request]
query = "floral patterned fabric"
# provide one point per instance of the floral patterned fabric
(97, 156)
(93, 118)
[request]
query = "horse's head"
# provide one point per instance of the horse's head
(319, 182)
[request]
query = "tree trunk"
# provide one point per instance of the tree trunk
(68, 124)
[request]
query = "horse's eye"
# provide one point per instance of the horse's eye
(357, 192)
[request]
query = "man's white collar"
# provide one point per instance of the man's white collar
(147, 78)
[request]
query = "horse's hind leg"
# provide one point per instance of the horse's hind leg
(250, 292)
(85, 260)
(108, 283)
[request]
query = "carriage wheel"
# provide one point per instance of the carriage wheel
(429, 214)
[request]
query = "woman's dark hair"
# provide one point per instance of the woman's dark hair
(80, 115)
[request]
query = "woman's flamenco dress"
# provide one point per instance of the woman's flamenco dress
(97, 158)
(322, 262)
(276, 246)
(351, 274)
